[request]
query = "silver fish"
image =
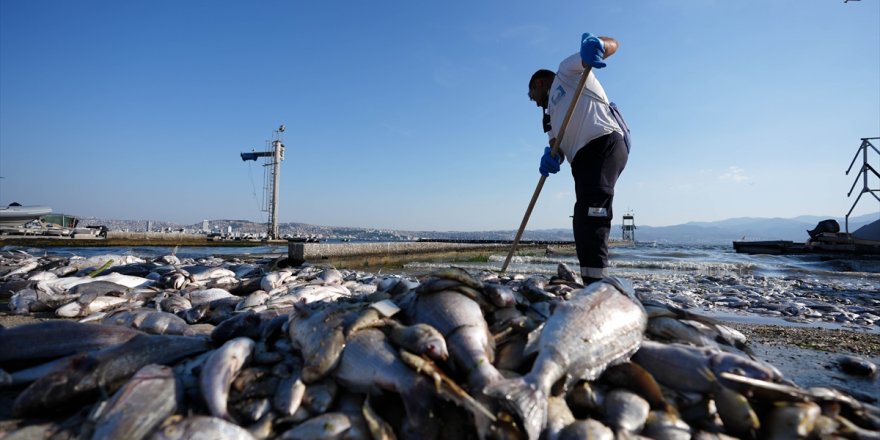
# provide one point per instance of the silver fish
(600, 325)
(289, 395)
(590, 429)
(625, 411)
(325, 426)
(30, 342)
(200, 428)
(220, 369)
(139, 406)
(679, 366)
(317, 332)
(149, 321)
(85, 373)
(369, 361)
(461, 322)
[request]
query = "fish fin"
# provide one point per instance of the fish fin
(523, 399)
(533, 341)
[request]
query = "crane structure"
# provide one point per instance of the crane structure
(271, 174)
(863, 173)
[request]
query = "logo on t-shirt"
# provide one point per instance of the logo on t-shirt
(557, 95)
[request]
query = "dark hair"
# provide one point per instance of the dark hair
(543, 74)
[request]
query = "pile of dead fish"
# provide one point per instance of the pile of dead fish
(214, 349)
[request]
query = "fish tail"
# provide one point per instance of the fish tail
(525, 400)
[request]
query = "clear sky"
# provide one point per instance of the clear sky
(414, 115)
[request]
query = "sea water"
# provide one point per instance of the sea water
(640, 259)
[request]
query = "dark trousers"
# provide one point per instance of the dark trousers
(595, 169)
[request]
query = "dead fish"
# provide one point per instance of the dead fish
(149, 321)
(85, 373)
(460, 320)
(22, 269)
(99, 304)
(369, 361)
(566, 274)
(319, 396)
(678, 366)
(662, 425)
(174, 304)
(201, 274)
(39, 341)
(289, 395)
(99, 288)
(308, 293)
(458, 274)
(419, 339)
(791, 420)
(274, 280)
(631, 376)
(626, 412)
(254, 300)
(586, 429)
(500, 295)
(247, 324)
(204, 296)
(250, 410)
(600, 325)
(856, 366)
(317, 332)
(327, 426)
(139, 406)
(330, 276)
(219, 370)
(200, 427)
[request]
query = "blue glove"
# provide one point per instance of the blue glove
(592, 50)
(549, 164)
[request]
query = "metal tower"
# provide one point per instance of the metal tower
(863, 172)
(629, 227)
(272, 173)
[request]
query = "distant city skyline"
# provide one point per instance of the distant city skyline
(413, 116)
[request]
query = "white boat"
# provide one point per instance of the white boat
(15, 215)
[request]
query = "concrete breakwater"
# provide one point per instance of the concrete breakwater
(394, 253)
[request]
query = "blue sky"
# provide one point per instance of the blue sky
(414, 115)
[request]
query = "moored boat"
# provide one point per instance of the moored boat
(16, 215)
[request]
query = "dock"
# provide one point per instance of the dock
(824, 243)
(369, 255)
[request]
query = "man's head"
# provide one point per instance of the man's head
(539, 87)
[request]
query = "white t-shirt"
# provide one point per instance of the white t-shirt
(591, 119)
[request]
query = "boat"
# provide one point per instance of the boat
(16, 215)
(828, 237)
(822, 243)
(39, 221)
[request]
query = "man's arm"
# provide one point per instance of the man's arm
(610, 46)
(596, 49)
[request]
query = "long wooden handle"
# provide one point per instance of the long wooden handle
(554, 152)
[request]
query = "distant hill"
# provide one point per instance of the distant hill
(717, 232)
(746, 228)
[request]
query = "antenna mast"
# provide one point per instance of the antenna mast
(273, 166)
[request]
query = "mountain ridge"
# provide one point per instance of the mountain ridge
(714, 232)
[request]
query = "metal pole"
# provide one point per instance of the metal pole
(276, 172)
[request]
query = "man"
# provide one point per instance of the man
(593, 144)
